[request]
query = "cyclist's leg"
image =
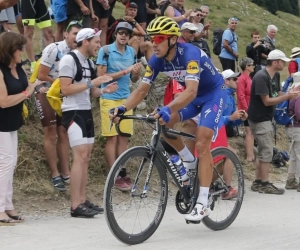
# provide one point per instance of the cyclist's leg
(43, 21)
(184, 114)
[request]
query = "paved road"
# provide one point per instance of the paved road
(265, 222)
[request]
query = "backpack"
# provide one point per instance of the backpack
(110, 31)
(202, 44)
(281, 114)
(54, 95)
(217, 40)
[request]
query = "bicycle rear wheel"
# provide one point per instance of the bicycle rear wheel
(227, 170)
(131, 216)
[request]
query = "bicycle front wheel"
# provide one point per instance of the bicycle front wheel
(134, 215)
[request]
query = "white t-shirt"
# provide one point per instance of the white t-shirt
(200, 27)
(68, 68)
(52, 55)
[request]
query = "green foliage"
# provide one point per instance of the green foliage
(288, 6)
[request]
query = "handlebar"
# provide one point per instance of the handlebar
(145, 118)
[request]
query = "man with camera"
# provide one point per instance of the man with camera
(256, 51)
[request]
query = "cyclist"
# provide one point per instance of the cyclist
(51, 122)
(204, 93)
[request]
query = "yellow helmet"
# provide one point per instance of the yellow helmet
(163, 26)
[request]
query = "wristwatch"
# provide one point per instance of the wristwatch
(134, 23)
(89, 84)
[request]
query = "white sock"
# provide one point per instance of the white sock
(203, 196)
(186, 155)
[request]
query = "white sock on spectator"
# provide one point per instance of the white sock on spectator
(186, 155)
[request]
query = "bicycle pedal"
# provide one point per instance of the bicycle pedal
(192, 222)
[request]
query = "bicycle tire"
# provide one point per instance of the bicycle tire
(132, 239)
(208, 222)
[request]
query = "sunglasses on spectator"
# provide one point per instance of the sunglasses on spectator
(74, 23)
(233, 79)
(159, 38)
(123, 32)
(192, 31)
(250, 65)
(21, 48)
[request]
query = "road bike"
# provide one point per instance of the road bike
(133, 216)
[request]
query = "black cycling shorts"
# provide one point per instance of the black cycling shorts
(17, 9)
(100, 12)
(35, 12)
(80, 126)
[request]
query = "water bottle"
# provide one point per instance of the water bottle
(180, 167)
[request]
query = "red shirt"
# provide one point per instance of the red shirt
(243, 91)
(293, 67)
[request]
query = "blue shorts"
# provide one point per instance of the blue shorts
(210, 107)
(59, 8)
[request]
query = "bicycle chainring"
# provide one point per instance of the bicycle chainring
(182, 207)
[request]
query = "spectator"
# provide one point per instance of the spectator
(77, 115)
(195, 18)
(293, 133)
(255, 50)
(152, 10)
(59, 8)
(188, 31)
(141, 16)
(14, 89)
(79, 10)
(207, 25)
(51, 122)
(269, 43)
(295, 62)
(265, 94)
(32, 14)
(101, 18)
(7, 18)
(243, 99)
(123, 71)
(229, 48)
(177, 12)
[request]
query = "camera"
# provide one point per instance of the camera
(262, 41)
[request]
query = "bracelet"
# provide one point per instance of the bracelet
(26, 94)
(124, 72)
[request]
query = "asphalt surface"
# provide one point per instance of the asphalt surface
(264, 222)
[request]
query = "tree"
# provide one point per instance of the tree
(295, 7)
(272, 6)
(284, 5)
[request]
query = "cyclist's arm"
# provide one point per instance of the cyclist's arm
(185, 97)
(47, 61)
(137, 96)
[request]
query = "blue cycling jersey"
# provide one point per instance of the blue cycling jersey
(189, 63)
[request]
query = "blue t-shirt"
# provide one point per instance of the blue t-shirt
(189, 63)
(117, 62)
(232, 38)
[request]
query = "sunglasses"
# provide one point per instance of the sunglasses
(250, 65)
(233, 19)
(159, 38)
(192, 31)
(233, 79)
(74, 23)
(122, 32)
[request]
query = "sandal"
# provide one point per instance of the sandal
(93, 206)
(7, 222)
(16, 218)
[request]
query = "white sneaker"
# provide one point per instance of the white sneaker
(198, 213)
(190, 165)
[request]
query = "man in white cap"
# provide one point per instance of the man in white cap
(122, 67)
(78, 83)
(265, 94)
(294, 64)
(188, 31)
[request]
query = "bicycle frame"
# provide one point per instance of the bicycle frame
(159, 156)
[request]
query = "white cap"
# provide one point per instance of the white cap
(296, 79)
(228, 73)
(87, 33)
(189, 26)
(295, 52)
(277, 54)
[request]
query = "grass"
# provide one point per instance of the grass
(32, 173)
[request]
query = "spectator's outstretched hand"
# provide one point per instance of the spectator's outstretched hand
(137, 68)
(110, 88)
(238, 114)
(101, 79)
